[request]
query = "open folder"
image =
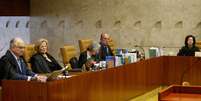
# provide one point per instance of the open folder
(55, 74)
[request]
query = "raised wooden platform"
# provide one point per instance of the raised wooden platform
(181, 93)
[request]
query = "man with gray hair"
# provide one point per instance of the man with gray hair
(89, 57)
(14, 66)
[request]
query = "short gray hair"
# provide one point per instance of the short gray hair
(15, 42)
(93, 47)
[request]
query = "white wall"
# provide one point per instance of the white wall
(11, 27)
(162, 23)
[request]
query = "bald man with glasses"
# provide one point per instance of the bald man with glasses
(105, 49)
(13, 66)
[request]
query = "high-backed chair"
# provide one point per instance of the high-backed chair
(67, 52)
(28, 52)
(84, 44)
(198, 44)
(111, 44)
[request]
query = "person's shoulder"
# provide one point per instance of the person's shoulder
(4, 58)
(85, 52)
(35, 56)
(197, 48)
(184, 47)
(49, 55)
(7, 56)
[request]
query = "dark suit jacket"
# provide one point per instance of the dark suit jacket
(11, 70)
(39, 64)
(185, 51)
(83, 59)
(103, 53)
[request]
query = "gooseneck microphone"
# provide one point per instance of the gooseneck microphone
(142, 56)
(194, 63)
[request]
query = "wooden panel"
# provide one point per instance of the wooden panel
(23, 91)
(181, 93)
(15, 8)
(114, 84)
(179, 69)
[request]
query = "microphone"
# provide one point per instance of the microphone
(56, 73)
(142, 55)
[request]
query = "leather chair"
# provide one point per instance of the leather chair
(84, 44)
(67, 52)
(111, 44)
(28, 52)
(198, 44)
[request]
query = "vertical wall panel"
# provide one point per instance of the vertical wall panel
(9, 32)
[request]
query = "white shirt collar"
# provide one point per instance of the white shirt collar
(14, 55)
(88, 55)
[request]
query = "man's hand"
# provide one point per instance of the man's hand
(41, 78)
(89, 64)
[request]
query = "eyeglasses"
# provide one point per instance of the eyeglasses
(21, 47)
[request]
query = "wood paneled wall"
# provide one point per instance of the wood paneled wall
(14, 7)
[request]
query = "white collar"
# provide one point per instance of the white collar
(88, 55)
(14, 55)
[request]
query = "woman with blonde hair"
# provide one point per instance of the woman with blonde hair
(42, 61)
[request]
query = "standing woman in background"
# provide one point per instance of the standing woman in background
(189, 49)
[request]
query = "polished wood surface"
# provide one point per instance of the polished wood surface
(114, 84)
(182, 97)
(23, 91)
(181, 93)
(179, 69)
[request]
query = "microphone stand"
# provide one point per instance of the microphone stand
(142, 55)
(188, 68)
